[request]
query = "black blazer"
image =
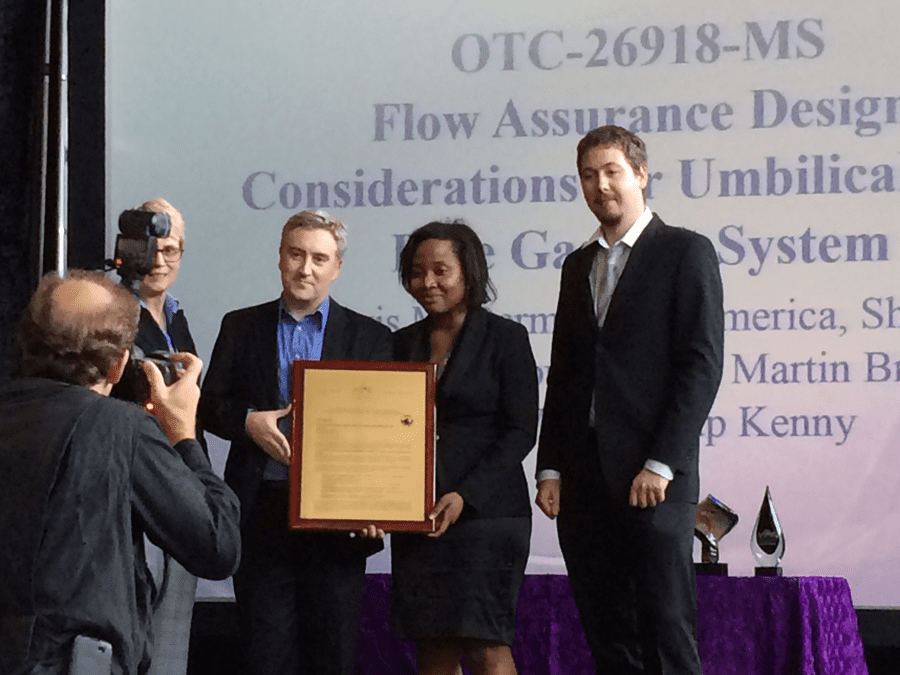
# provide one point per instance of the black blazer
(487, 404)
(243, 374)
(655, 366)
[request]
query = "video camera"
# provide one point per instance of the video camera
(133, 260)
(136, 244)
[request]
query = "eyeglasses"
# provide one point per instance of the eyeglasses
(171, 253)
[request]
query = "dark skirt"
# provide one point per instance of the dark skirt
(462, 584)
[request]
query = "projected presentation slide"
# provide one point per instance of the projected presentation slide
(772, 129)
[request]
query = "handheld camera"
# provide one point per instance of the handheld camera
(169, 368)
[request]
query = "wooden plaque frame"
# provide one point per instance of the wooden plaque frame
(335, 373)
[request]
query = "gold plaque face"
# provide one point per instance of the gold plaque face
(362, 445)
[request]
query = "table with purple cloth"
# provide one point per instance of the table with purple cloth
(746, 625)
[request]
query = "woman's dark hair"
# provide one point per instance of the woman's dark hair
(467, 247)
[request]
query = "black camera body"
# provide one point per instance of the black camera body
(136, 244)
(169, 368)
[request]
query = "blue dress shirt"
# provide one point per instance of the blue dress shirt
(297, 340)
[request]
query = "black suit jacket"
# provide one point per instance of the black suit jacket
(243, 375)
(654, 367)
(487, 404)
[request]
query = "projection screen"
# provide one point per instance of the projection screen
(772, 129)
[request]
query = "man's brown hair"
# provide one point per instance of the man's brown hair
(79, 342)
(630, 144)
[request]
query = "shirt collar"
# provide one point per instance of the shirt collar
(170, 305)
(630, 237)
(320, 312)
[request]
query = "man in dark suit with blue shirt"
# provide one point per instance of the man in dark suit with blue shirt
(298, 593)
(635, 366)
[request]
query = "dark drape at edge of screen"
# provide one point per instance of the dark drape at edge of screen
(22, 49)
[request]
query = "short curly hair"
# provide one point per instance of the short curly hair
(318, 220)
(467, 247)
(77, 347)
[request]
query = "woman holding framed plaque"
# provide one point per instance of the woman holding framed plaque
(454, 591)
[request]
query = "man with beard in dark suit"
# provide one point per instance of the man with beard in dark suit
(298, 593)
(635, 366)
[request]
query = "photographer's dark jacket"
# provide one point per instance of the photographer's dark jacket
(82, 478)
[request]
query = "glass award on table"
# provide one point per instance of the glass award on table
(767, 540)
(713, 521)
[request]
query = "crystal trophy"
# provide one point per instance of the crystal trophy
(713, 521)
(767, 540)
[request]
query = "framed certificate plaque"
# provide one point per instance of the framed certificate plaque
(362, 445)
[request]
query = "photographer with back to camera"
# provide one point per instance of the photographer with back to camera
(162, 329)
(84, 478)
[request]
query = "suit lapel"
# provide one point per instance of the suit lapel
(420, 343)
(584, 298)
(466, 348)
(265, 335)
(639, 266)
(333, 348)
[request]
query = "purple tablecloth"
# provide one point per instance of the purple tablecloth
(746, 626)
(778, 626)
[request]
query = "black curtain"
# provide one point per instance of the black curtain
(21, 59)
(25, 252)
